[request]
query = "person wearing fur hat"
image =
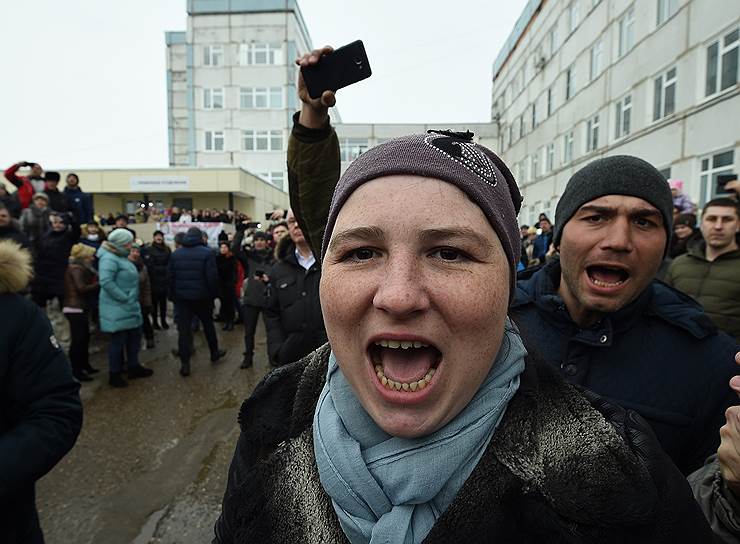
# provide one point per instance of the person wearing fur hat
(35, 218)
(80, 287)
(57, 199)
(119, 308)
(425, 418)
(40, 407)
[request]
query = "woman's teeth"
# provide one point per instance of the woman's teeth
(396, 344)
(402, 386)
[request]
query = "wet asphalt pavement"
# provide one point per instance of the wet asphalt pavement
(151, 462)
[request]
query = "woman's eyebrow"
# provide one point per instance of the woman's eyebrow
(436, 234)
(373, 234)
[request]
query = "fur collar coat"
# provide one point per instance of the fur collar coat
(563, 466)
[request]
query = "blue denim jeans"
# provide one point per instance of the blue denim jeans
(129, 340)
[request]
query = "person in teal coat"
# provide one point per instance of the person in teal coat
(120, 314)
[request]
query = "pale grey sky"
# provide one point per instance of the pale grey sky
(83, 81)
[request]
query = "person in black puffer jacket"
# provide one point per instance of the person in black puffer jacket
(51, 258)
(192, 286)
(256, 263)
(40, 408)
(295, 325)
(10, 228)
(156, 257)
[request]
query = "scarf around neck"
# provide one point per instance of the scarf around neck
(391, 490)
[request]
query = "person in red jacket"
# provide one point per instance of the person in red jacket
(27, 185)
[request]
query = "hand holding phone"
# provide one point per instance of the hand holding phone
(336, 70)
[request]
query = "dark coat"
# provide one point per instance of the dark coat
(295, 325)
(226, 266)
(660, 356)
(252, 261)
(192, 273)
(50, 262)
(542, 245)
(40, 408)
(715, 285)
(560, 468)
(57, 200)
(10, 201)
(157, 258)
(13, 232)
(79, 203)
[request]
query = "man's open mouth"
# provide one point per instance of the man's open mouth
(404, 365)
(606, 275)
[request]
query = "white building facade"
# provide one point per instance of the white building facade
(231, 90)
(582, 79)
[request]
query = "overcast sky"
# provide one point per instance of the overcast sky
(83, 81)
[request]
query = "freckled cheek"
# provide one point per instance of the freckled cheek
(344, 300)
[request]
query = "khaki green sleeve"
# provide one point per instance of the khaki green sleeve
(313, 172)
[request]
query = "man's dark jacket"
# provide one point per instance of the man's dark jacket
(295, 325)
(57, 200)
(156, 257)
(79, 203)
(192, 273)
(40, 408)
(660, 356)
(51, 257)
(252, 260)
(555, 471)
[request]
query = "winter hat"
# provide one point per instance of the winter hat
(40, 195)
(448, 156)
(120, 237)
(52, 176)
(81, 251)
(260, 235)
(616, 175)
(675, 184)
(686, 219)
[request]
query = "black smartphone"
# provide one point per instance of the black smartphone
(254, 225)
(343, 67)
(268, 215)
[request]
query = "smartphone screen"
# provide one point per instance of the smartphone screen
(343, 67)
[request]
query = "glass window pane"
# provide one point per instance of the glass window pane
(276, 97)
(219, 141)
(626, 120)
(618, 124)
(218, 99)
(704, 165)
(729, 69)
(670, 99)
(209, 141)
(723, 159)
(731, 37)
(670, 74)
(248, 140)
(658, 99)
(276, 141)
(711, 79)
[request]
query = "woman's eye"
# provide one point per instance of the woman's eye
(448, 254)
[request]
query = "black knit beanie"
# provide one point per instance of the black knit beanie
(447, 156)
(615, 175)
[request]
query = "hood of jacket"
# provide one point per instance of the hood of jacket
(15, 267)
(193, 239)
(285, 250)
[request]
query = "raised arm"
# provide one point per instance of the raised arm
(313, 158)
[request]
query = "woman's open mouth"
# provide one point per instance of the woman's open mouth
(406, 366)
(606, 276)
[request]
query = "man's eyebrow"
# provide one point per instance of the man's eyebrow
(432, 235)
(608, 210)
(357, 233)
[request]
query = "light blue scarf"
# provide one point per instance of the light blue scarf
(392, 490)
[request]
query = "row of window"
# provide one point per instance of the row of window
(249, 54)
(713, 169)
(249, 98)
(722, 72)
(625, 37)
(251, 140)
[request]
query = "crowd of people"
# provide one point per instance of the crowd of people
(445, 374)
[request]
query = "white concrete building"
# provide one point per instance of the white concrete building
(582, 79)
(231, 90)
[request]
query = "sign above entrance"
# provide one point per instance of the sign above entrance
(155, 184)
